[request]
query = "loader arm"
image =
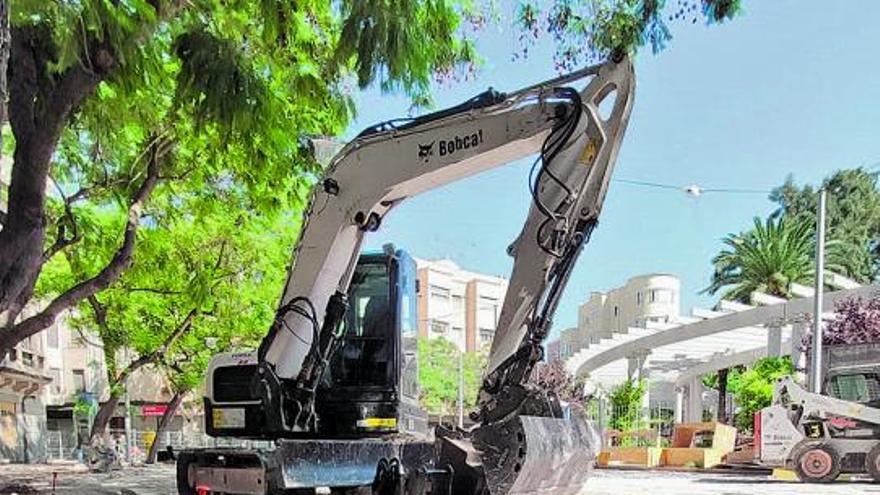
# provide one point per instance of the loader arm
(391, 162)
(788, 392)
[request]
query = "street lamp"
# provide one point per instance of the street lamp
(816, 359)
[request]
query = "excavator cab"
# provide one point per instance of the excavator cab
(371, 385)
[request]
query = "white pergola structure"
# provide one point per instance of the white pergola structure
(736, 334)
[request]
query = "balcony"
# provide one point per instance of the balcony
(23, 371)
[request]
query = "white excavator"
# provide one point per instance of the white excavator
(334, 384)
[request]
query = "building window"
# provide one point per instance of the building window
(27, 359)
(57, 386)
(439, 327)
(487, 334)
(440, 293)
(79, 381)
(457, 306)
(77, 341)
(52, 337)
(616, 311)
(487, 311)
(638, 298)
(661, 296)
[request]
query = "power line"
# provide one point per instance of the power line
(693, 189)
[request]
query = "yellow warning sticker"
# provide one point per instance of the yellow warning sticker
(232, 417)
(589, 153)
(377, 423)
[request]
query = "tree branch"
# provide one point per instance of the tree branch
(160, 351)
(161, 292)
(61, 239)
(109, 274)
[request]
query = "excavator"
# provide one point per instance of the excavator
(333, 387)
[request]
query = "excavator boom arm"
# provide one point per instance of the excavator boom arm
(387, 164)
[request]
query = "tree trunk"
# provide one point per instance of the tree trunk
(105, 412)
(722, 396)
(40, 103)
(167, 416)
(102, 418)
(5, 39)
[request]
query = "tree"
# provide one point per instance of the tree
(768, 258)
(113, 103)
(626, 404)
(753, 389)
(587, 32)
(234, 323)
(554, 378)
(438, 375)
(856, 321)
(853, 217)
(202, 272)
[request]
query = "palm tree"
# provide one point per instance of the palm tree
(768, 258)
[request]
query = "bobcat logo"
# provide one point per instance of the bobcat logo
(426, 151)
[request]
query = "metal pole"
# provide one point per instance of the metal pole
(816, 361)
(128, 432)
(460, 389)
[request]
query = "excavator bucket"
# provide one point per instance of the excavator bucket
(538, 455)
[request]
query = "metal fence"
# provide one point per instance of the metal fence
(632, 426)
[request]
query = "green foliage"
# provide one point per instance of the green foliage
(753, 389)
(768, 258)
(438, 375)
(626, 403)
(83, 408)
(220, 97)
(853, 218)
(593, 30)
(398, 42)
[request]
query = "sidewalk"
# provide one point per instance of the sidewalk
(75, 479)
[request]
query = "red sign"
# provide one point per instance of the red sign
(158, 410)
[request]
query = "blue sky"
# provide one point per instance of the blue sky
(790, 87)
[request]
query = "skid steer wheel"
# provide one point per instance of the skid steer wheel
(872, 463)
(815, 461)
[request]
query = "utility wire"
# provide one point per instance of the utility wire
(694, 190)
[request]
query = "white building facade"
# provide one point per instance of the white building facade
(643, 300)
(458, 305)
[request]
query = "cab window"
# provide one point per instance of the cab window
(365, 356)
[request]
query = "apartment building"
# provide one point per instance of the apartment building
(645, 299)
(76, 363)
(642, 301)
(459, 305)
(51, 375)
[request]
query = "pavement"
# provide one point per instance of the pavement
(616, 482)
(159, 480)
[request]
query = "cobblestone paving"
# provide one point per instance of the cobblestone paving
(159, 480)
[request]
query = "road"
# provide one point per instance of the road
(159, 480)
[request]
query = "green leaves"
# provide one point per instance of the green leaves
(593, 30)
(401, 43)
(438, 375)
(853, 216)
(768, 258)
(626, 402)
(753, 388)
